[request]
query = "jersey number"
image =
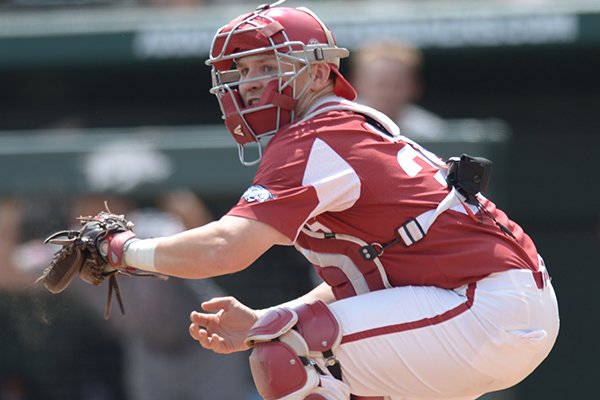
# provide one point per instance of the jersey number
(407, 159)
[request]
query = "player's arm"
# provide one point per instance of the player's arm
(322, 292)
(218, 248)
(224, 325)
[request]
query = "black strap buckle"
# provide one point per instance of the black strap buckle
(319, 54)
(333, 365)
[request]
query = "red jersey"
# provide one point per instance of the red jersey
(334, 183)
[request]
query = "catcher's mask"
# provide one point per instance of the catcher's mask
(297, 38)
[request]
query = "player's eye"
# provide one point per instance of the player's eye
(243, 71)
(267, 69)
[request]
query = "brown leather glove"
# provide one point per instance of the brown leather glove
(95, 252)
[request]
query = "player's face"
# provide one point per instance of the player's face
(255, 72)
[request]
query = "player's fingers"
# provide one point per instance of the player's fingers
(204, 339)
(217, 303)
(195, 317)
(212, 342)
(201, 336)
(218, 344)
(194, 329)
(202, 319)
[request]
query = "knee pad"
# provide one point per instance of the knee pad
(287, 344)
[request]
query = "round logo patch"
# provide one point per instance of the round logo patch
(257, 193)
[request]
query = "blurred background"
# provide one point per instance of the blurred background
(108, 100)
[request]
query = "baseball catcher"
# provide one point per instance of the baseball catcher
(90, 252)
(426, 292)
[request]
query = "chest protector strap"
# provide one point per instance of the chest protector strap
(292, 349)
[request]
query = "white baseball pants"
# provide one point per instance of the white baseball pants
(431, 343)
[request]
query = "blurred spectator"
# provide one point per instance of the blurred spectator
(159, 359)
(10, 233)
(47, 351)
(387, 77)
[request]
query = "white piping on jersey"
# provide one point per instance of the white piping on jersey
(426, 219)
(339, 103)
(334, 180)
(344, 263)
(355, 276)
(384, 135)
(453, 200)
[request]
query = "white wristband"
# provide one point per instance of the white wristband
(140, 254)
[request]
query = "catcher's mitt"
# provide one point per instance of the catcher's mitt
(80, 254)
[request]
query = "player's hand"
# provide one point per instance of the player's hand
(224, 327)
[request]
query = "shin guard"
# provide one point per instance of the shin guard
(287, 356)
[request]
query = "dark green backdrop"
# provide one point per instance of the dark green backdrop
(545, 172)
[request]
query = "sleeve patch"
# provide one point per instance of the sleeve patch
(257, 193)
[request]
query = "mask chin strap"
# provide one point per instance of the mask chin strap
(282, 102)
(242, 155)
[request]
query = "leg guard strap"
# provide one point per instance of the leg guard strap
(321, 330)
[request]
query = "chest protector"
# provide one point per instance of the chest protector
(357, 276)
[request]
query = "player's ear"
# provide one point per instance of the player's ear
(321, 74)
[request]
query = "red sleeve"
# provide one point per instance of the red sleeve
(286, 211)
(277, 196)
(302, 175)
